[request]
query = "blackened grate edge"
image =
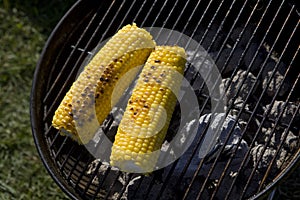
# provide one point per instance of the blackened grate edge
(72, 40)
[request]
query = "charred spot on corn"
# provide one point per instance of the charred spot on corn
(140, 134)
(91, 92)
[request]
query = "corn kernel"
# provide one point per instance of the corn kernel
(158, 96)
(92, 91)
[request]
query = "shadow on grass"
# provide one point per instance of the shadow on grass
(43, 14)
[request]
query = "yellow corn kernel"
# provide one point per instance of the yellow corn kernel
(90, 97)
(149, 111)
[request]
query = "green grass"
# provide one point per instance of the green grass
(24, 28)
(22, 36)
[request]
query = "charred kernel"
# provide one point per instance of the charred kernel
(101, 91)
(130, 102)
(101, 78)
(86, 89)
(131, 108)
(107, 79)
(135, 113)
(80, 111)
(70, 113)
(157, 61)
(69, 105)
(90, 95)
(142, 132)
(114, 60)
(162, 75)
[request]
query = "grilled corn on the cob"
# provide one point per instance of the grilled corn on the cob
(89, 98)
(149, 110)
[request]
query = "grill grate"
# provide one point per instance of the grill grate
(253, 42)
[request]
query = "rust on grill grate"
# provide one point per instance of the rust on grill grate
(254, 44)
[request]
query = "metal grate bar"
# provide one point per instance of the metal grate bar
(219, 28)
(81, 175)
(74, 70)
(138, 186)
(101, 40)
(94, 174)
(120, 24)
(285, 134)
(200, 165)
(159, 13)
(189, 19)
(150, 185)
(112, 185)
(148, 13)
(73, 167)
(139, 11)
(165, 21)
(52, 142)
(99, 187)
(273, 100)
(73, 164)
(293, 89)
(251, 117)
(60, 148)
(124, 187)
(247, 72)
(65, 66)
(169, 175)
(252, 113)
(66, 158)
(261, 125)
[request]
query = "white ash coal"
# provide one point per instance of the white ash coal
(288, 109)
(203, 65)
(120, 181)
(228, 128)
(256, 139)
(257, 70)
(238, 88)
(272, 80)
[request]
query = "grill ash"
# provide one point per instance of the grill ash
(252, 142)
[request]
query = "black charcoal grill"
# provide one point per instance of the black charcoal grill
(254, 44)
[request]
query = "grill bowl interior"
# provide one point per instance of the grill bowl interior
(213, 24)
